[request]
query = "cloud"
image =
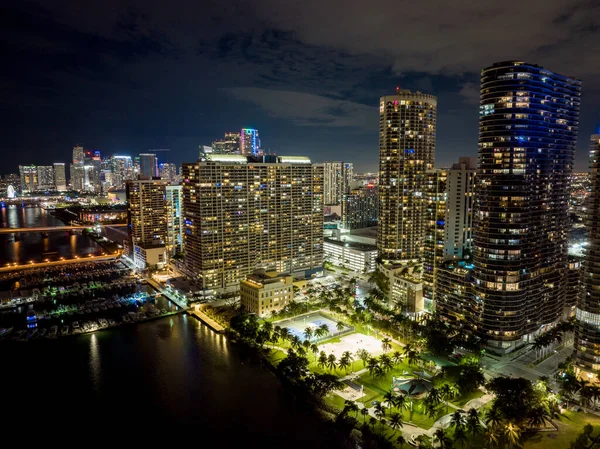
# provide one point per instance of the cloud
(305, 109)
(470, 93)
(447, 38)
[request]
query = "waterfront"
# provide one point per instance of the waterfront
(34, 246)
(169, 380)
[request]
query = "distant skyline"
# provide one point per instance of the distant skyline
(127, 76)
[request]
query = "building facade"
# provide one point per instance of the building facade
(433, 248)
(60, 176)
(29, 178)
(527, 134)
(360, 207)
(122, 171)
(45, 177)
(266, 293)
(337, 179)
(587, 313)
(230, 144)
(243, 213)
(458, 231)
(147, 222)
(148, 166)
(357, 257)
(407, 126)
(174, 207)
(167, 171)
(249, 142)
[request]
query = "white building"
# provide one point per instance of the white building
(358, 257)
(174, 203)
(458, 227)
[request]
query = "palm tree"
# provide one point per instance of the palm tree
(443, 439)
(401, 402)
(284, 333)
(295, 341)
(344, 362)
(350, 406)
(314, 348)
(372, 365)
(386, 344)
(457, 420)
(401, 441)
(460, 436)
(512, 434)
(372, 421)
(431, 409)
(397, 357)
(386, 362)
(490, 438)
(340, 326)
(324, 329)
(493, 418)
(348, 356)
(322, 362)
(396, 421)
(434, 396)
(390, 398)
(379, 411)
(407, 349)
(364, 355)
(365, 412)
(412, 357)
(539, 416)
(308, 333)
(331, 361)
(448, 392)
(473, 422)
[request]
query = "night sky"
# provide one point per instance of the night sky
(127, 76)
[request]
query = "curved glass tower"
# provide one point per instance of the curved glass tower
(527, 134)
(407, 123)
(587, 330)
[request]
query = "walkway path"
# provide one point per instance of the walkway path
(206, 320)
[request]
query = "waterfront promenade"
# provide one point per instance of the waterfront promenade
(55, 263)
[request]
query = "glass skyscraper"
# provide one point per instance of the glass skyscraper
(587, 312)
(527, 134)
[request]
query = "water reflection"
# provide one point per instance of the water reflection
(24, 247)
(95, 367)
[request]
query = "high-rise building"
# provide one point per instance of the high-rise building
(249, 142)
(527, 134)
(45, 177)
(458, 231)
(407, 125)
(29, 178)
(147, 221)
(168, 172)
(360, 207)
(77, 172)
(230, 144)
(122, 171)
(587, 312)
(435, 213)
(148, 166)
(241, 215)
(60, 176)
(174, 207)
(338, 176)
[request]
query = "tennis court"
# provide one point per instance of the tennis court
(297, 325)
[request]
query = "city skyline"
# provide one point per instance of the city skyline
(309, 89)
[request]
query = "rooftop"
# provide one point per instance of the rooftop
(352, 245)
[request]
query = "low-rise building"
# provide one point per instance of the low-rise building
(263, 293)
(359, 257)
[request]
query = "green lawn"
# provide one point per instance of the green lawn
(569, 426)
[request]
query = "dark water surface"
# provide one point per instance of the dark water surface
(34, 246)
(169, 381)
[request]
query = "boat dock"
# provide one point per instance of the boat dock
(203, 317)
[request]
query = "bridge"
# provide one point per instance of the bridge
(57, 228)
